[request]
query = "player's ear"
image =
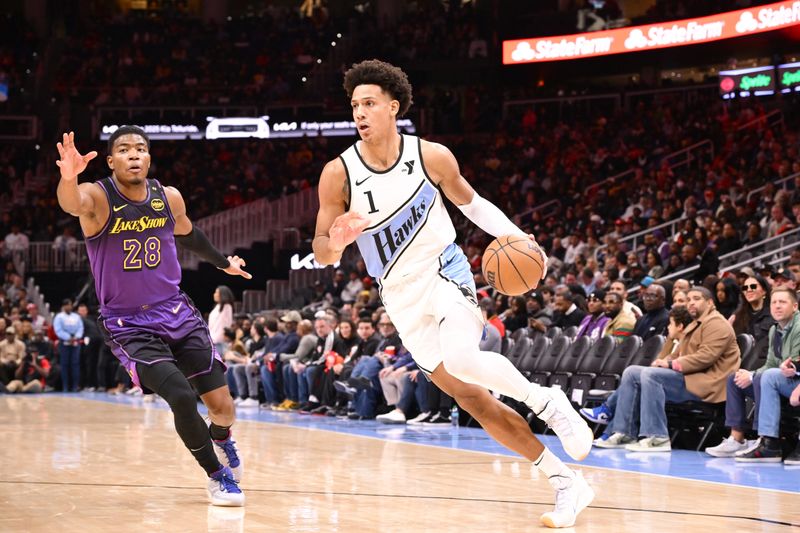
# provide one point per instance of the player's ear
(394, 107)
(110, 161)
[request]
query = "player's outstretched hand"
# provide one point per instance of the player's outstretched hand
(72, 162)
(345, 229)
(235, 267)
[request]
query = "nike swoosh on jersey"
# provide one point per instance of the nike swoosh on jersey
(362, 181)
(118, 207)
(175, 309)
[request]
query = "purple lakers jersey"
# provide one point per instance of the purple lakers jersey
(133, 258)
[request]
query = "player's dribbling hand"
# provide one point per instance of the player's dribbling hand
(532, 237)
(235, 267)
(72, 162)
(345, 229)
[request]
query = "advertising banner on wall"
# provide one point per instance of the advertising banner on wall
(758, 81)
(789, 77)
(653, 36)
(250, 127)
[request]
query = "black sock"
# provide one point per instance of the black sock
(219, 432)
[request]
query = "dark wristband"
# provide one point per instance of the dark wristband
(197, 242)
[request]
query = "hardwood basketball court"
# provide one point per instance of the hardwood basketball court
(81, 463)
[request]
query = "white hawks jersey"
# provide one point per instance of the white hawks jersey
(409, 226)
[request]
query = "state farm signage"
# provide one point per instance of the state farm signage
(653, 36)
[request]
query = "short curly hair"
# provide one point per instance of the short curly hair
(389, 78)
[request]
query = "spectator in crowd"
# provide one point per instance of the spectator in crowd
(516, 317)
(12, 350)
(730, 241)
(38, 323)
(282, 350)
(68, 326)
(352, 289)
(727, 296)
(697, 371)
(294, 363)
(784, 278)
(365, 374)
(392, 377)
(778, 222)
(540, 316)
(783, 381)
(492, 341)
(621, 323)
(784, 340)
(588, 280)
(368, 342)
(655, 319)
(90, 348)
(246, 373)
(679, 319)
(234, 354)
(16, 242)
(753, 315)
(328, 341)
(269, 366)
(31, 374)
(618, 287)
(415, 388)
(221, 317)
(567, 313)
(594, 323)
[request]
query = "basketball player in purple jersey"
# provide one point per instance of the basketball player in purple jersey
(385, 193)
(132, 224)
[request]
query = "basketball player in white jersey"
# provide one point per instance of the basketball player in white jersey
(385, 194)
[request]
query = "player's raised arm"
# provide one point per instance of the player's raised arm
(75, 199)
(192, 238)
(335, 228)
(442, 166)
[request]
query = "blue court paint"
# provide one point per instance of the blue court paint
(679, 463)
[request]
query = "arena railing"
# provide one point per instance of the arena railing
(773, 246)
(671, 224)
(773, 118)
(260, 220)
(783, 183)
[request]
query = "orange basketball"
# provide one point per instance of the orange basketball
(513, 264)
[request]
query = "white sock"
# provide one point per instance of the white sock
(552, 467)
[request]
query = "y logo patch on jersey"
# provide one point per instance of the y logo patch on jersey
(409, 166)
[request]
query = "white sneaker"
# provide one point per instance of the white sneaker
(572, 497)
(728, 447)
(617, 440)
(419, 419)
(223, 489)
(650, 444)
(249, 402)
(553, 406)
(134, 391)
(393, 417)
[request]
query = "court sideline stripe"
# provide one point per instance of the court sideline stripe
(374, 495)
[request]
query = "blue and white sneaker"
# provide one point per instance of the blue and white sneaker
(228, 455)
(599, 415)
(223, 489)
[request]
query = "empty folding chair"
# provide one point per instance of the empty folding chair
(592, 363)
(746, 344)
(609, 377)
(530, 359)
(569, 363)
(553, 332)
(571, 332)
(548, 361)
(648, 351)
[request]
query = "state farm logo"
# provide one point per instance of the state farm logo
(768, 17)
(549, 49)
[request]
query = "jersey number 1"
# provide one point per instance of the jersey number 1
(371, 202)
